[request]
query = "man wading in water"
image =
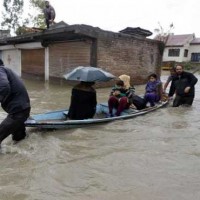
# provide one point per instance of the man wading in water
(183, 86)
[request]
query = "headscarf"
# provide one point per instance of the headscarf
(126, 79)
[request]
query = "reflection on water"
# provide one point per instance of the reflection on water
(154, 157)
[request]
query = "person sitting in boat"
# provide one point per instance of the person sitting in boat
(118, 98)
(130, 89)
(153, 90)
(135, 101)
(83, 101)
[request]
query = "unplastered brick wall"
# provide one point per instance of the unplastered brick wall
(135, 57)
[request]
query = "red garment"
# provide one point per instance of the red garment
(120, 104)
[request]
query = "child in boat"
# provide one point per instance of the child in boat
(153, 90)
(118, 99)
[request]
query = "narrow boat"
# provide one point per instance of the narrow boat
(58, 119)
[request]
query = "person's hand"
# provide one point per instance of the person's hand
(187, 89)
(132, 106)
(116, 93)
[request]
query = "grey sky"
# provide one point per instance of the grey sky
(115, 15)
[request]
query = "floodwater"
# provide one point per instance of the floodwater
(150, 157)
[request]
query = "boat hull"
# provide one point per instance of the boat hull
(58, 119)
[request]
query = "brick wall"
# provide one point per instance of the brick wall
(135, 57)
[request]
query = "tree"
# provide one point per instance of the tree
(38, 18)
(163, 35)
(12, 15)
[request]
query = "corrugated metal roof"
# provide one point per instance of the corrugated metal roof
(179, 40)
(195, 41)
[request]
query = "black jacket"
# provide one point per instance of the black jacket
(180, 82)
(13, 94)
(83, 103)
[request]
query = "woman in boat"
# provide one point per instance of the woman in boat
(135, 101)
(83, 101)
(120, 95)
(153, 90)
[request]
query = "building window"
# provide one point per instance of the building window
(186, 53)
(195, 57)
(174, 52)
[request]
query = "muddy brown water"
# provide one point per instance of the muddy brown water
(154, 157)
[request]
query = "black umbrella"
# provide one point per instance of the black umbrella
(88, 74)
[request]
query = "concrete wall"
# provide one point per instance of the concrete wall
(179, 58)
(12, 59)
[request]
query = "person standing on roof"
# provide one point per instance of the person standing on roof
(49, 14)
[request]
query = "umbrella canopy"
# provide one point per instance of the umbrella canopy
(88, 74)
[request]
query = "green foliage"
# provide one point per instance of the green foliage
(12, 14)
(187, 65)
(12, 17)
(21, 30)
(38, 19)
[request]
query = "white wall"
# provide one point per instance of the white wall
(11, 54)
(181, 57)
(12, 59)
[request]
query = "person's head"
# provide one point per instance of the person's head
(47, 4)
(87, 84)
(172, 71)
(152, 77)
(126, 79)
(1, 62)
(179, 69)
(119, 84)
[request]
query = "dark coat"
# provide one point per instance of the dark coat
(49, 13)
(179, 83)
(83, 103)
(13, 94)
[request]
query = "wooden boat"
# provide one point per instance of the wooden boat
(58, 119)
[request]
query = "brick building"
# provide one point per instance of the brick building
(50, 53)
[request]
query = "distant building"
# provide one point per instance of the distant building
(177, 48)
(182, 48)
(4, 34)
(50, 53)
(194, 50)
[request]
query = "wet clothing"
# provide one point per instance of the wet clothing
(15, 101)
(49, 14)
(14, 124)
(178, 85)
(83, 103)
(152, 94)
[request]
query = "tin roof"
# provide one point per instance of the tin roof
(179, 40)
(195, 41)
